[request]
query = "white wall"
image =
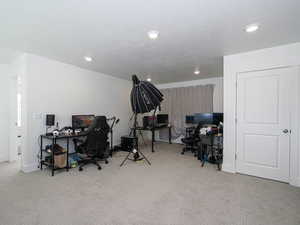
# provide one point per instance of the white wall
(218, 89)
(4, 111)
(63, 89)
(281, 56)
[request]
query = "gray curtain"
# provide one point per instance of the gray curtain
(182, 101)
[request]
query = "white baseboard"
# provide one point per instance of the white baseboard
(3, 159)
(228, 168)
(295, 181)
(29, 168)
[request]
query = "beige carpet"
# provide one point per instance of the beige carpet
(174, 190)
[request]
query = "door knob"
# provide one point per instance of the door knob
(285, 131)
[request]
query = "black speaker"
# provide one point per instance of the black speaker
(50, 120)
(128, 143)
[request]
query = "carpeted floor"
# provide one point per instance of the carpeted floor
(174, 190)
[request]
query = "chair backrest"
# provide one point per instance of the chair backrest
(97, 135)
(197, 130)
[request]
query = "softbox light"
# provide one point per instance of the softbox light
(144, 97)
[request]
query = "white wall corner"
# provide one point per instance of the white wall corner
(28, 168)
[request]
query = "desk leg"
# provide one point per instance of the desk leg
(170, 135)
(153, 139)
(41, 154)
(52, 172)
(68, 153)
(204, 151)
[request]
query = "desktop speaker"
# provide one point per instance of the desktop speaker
(50, 120)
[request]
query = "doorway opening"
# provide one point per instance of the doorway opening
(15, 149)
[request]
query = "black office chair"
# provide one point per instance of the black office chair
(96, 146)
(191, 140)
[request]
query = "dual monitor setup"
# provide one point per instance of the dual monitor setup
(158, 120)
(78, 121)
(204, 118)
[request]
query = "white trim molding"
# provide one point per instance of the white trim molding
(228, 168)
(28, 168)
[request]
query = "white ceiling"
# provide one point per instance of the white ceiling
(193, 33)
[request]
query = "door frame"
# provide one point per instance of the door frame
(294, 152)
(15, 132)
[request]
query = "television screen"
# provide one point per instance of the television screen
(82, 121)
(162, 118)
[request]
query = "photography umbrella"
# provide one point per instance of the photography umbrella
(144, 98)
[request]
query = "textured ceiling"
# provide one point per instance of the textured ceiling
(193, 33)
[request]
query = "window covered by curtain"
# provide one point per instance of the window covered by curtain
(182, 101)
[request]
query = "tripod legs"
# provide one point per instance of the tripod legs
(127, 157)
(145, 157)
(129, 153)
(135, 154)
(135, 146)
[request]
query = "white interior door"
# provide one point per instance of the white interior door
(264, 101)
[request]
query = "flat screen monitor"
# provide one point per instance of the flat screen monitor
(82, 121)
(189, 119)
(162, 118)
(217, 118)
(203, 118)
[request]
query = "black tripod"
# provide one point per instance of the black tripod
(135, 151)
(139, 131)
(115, 121)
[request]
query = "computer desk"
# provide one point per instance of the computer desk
(54, 139)
(153, 129)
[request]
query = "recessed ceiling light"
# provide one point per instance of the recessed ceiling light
(88, 58)
(197, 72)
(153, 34)
(252, 28)
(149, 79)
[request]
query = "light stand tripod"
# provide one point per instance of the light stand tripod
(140, 133)
(135, 151)
(115, 122)
(144, 98)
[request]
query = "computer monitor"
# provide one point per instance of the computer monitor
(162, 118)
(82, 121)
(203, 118)
(189, 119)
(217, 118)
